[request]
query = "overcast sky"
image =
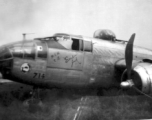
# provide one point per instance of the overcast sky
(82, 17)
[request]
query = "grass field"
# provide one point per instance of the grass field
(68, 105)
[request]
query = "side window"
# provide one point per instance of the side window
(17, 52)
(87, 46)
(75, 44)
(29, 50)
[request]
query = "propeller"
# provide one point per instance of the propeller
(129, 59)
(129, 55)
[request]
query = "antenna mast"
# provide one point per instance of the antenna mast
(24, 35)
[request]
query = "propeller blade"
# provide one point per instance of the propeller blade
(129, 55)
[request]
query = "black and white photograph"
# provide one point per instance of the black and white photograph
(75, 60)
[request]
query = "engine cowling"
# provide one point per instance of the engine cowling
(141, 76)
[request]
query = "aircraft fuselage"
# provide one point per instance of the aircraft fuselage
(68, 61)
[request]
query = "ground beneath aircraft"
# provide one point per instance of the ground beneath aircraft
(69, 105)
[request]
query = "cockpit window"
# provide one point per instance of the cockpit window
(65, 42)
(29, 51)
(53, 43)
(68, 42)
(24, 50)
(87, 46)
(17, 52)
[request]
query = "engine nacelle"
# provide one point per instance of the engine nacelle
(144, 71)
(141, 77)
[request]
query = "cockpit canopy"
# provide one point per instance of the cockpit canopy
(69, 42)
(38, 47)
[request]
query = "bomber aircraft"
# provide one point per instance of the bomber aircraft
(78, 62)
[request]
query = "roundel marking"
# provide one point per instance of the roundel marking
(25, 67)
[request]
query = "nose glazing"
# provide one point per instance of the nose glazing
(5, 54)
(5, 62)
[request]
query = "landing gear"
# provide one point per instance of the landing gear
(35, 93)
(111, 91)
(34, 101)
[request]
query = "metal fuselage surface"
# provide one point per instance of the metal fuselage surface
(58, 62)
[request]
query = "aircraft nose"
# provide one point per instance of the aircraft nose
(6, 59)
(5, 54)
